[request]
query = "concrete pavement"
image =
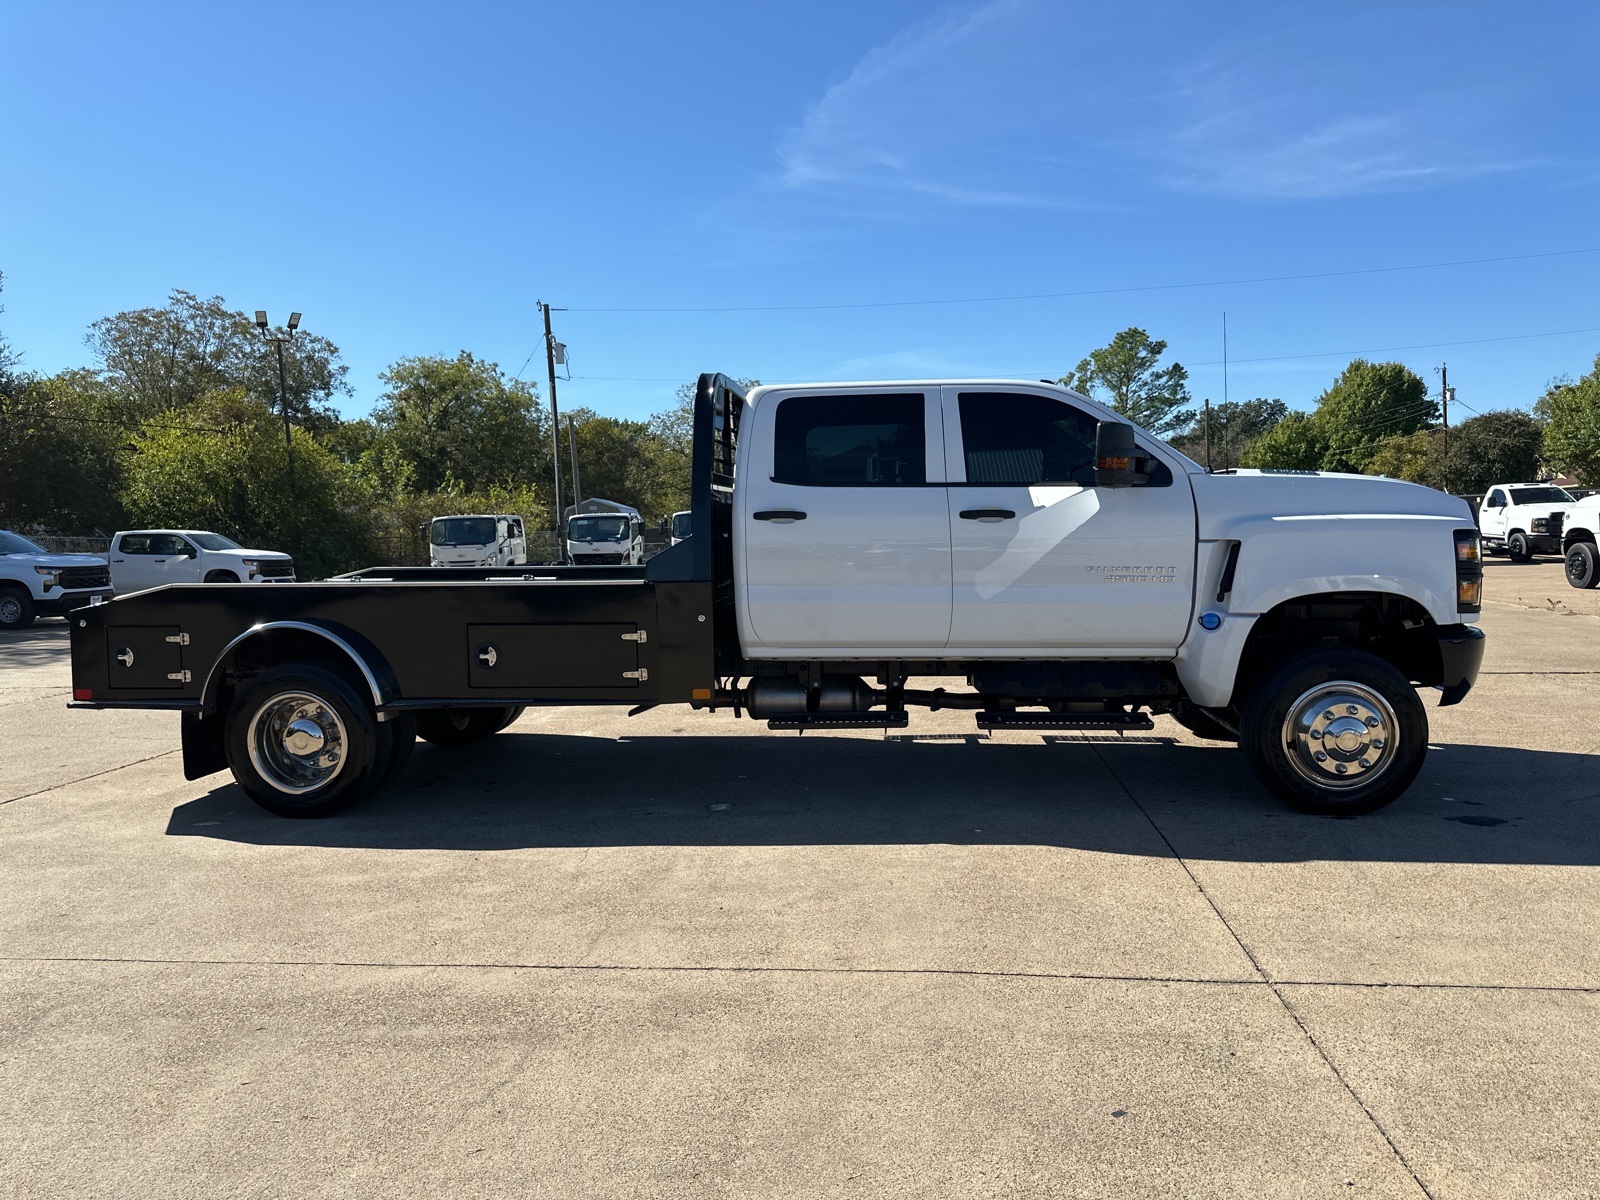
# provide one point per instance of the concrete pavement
(923, 965)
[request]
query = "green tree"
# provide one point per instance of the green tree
(1127, 372)
(455, 423)
(1234, 425)
(1368, 404)
(1571, 415)
(627, 462)
(1496, 447)
(160, 359)
(226, 469)
(1417, 457)
(61, 455)
(1296, 443)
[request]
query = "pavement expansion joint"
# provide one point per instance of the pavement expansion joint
(56, 787)
(1277, 989)
(747, 969)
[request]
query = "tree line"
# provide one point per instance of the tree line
(177, 422)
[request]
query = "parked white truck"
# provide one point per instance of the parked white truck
(36, 583)
(604, 533)
(149, 558)
(1579, 530)
(1521, 520)
(477, 540)
(1063, 570)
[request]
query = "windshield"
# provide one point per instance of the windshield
(11, 543)
(462, 531)
(1540, 495)
(213, 541)
(597, 529)
(680, 524)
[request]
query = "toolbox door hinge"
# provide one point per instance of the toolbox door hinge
(180, 676)
(181, 639)
(641, 674)
(638, 635)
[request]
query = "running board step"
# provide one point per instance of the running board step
(1050, 720)
(837, 720)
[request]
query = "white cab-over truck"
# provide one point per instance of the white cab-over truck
(151, 558)
(1523, 519)
(1060, 569)
(477, 540)
(36, 583)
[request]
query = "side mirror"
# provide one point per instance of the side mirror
(1116, 456)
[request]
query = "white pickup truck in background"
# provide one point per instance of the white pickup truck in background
(36, 583)
(150, 558)
(1521, 520)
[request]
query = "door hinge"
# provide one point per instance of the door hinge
(641, 674)
(181, 639)
(180, 676)
(637, 636)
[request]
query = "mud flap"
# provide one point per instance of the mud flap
(203, 752)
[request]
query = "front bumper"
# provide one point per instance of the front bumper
(599, 559)
(59, 604)
(1460, 656)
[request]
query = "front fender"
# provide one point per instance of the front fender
(1287, 557)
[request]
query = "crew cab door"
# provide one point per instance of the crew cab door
(147, 560)
(1042, 559)
(841, 534)
(1492, 516)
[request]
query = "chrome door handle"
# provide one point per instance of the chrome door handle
(779, 514)
(987, 514)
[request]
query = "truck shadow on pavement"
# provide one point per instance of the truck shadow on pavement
(1472, 804)
(40, 645)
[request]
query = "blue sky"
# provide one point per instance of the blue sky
(414, 177)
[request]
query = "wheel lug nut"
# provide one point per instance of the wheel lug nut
(1317, 734)
(1366, 762)
(1320, 756)
(1377, 743)
(1341, 768)
(1351, 709)
(1372, 722)
(1328, 716)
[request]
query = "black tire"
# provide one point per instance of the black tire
(285, 781)
(221, 577)
(1517, 548)
(511, 716)
(1583, 565)
(460, 726)
(16, 608)
(1202, 724)
(1359, 688)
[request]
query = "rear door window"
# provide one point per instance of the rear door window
(860, 441)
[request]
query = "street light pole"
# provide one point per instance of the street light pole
(555, 415)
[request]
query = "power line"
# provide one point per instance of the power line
(1515, 337)
(1110, 291)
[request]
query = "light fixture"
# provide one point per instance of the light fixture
(294, 322)
(261, 318)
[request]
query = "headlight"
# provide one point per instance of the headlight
(1469, 571)
(52, 576)
(1541, 525)
(491, 560)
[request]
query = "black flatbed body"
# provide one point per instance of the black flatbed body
(449, 637)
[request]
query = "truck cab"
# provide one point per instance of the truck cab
(1521, 520)
(680, 527)
(477, 540)
(37, 583)
(604, 533)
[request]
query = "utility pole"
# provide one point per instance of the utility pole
(1208, 435)
(555, 415)
(283, 400)
(572, 443)
(1444, 408)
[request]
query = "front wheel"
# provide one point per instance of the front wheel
(1335, 732)
(302, 741)
(1583, 565)
(1517, 548)
(16, 608)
